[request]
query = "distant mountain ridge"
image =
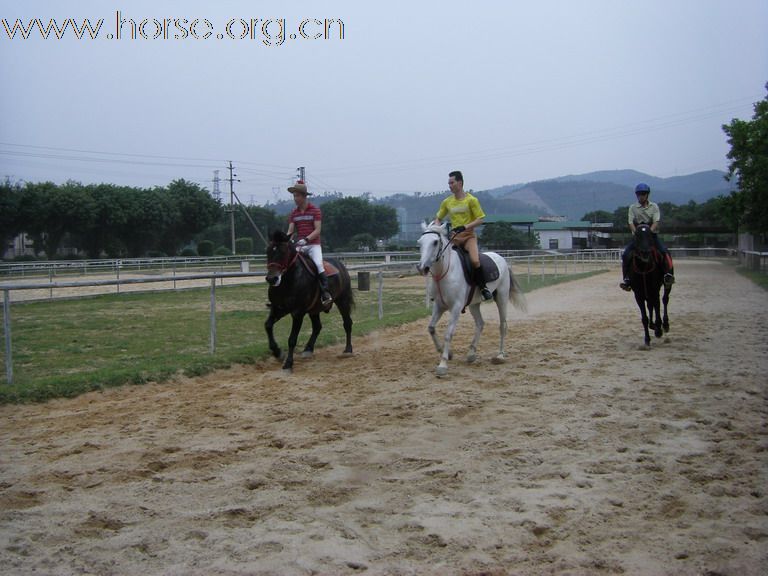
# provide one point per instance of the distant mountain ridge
(570, 196)
(574, 195)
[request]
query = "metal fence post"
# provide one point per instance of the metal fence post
(381, 294)
(7, 333)
(213, 315)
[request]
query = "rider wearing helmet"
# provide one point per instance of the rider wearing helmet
(644, 212)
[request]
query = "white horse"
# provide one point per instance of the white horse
(450, 292)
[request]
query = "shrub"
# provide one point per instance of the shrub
(223, 251)
(244, 245)
(205, 248)
(188, 251)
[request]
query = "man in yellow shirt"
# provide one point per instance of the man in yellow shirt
(466, 214)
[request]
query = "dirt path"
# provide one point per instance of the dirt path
(580, 455)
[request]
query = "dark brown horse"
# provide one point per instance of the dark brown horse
(646, 276)
(294, 290)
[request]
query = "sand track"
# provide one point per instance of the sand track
(580, 455)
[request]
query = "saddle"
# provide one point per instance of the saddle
(487, 265)
(328, 268)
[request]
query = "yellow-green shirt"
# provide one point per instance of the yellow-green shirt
(462, 211)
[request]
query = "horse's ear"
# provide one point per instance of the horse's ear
(424, 226)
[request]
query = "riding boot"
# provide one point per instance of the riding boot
(624, 285)
(325, 295)
(480, 281)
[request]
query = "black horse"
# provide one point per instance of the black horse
(646, 276)
(294, 290)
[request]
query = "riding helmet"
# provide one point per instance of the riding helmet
(642, 188)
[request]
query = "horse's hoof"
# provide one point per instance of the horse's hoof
(471, 358)
(287, 370)
(441, 370)
(644, 346)
(307, 354)
(346, 355)
(498, 359)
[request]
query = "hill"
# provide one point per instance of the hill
(574, 195)
(571, 196)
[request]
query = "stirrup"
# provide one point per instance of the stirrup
(669, 279)
(326, 299)
(625, 285)
(486, 294)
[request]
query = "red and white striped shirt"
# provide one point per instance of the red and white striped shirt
(304, 221)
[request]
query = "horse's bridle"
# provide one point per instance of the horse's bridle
(649, 261)
(440, 253)
(284, 264)
(440, 239)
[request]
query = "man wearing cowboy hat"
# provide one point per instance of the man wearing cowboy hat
(306, 221)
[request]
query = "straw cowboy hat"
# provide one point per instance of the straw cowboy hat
(299, 187)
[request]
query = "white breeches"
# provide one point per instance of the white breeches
(315, 252)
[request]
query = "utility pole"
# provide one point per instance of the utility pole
(232, 203)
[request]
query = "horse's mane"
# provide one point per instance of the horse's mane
(437, 228)
(280, 236)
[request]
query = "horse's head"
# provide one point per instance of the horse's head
(280, 255)
(644, 243)
(431, 245)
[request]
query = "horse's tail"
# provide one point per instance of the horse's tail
(347, 293)
(516, 293)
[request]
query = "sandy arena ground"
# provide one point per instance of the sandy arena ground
(581, 455)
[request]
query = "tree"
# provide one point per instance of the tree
(148, 215)
(111, 213)
(363, 241)
(48, 212)
(265, 219)
(504, 236)
(749, 165)
(347, 217)
(10, 196)
(598, 216)
(190, 210)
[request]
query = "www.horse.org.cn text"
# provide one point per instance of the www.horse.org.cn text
(269, 31)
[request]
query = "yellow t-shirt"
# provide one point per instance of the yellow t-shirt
(462, 211)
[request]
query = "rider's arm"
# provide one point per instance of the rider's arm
(474, 224)
(316, 232)
(656, 217)
(290, 230)
(631, 220)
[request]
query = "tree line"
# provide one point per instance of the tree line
(98, 220)
(120, 221)
(715, 212)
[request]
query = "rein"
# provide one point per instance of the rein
(285, 264)
(439, 257)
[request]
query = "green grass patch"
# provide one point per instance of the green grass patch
(62, 348)
(759, 278)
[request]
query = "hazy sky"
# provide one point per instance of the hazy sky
(508, 92)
